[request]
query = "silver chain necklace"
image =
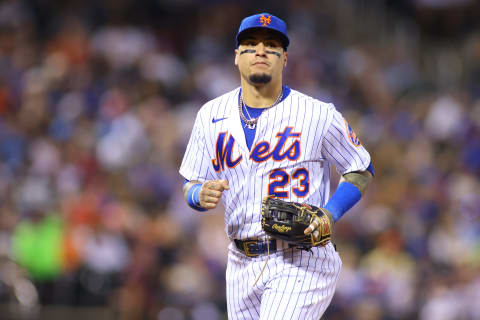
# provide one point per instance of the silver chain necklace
(251, 123)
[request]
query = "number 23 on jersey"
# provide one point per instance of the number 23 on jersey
(261, 152)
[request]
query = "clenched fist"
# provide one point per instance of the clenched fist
(211, 192)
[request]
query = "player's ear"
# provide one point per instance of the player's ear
(285, 59)
(236, 57)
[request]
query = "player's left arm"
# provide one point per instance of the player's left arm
(351, 188)
(345, 151)
(360, 179)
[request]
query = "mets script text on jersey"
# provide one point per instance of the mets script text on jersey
(260, 152)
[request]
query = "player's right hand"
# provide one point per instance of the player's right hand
(211, 192)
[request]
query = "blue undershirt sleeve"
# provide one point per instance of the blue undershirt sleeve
(343, 199)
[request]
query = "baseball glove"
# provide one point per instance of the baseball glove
(288, 221)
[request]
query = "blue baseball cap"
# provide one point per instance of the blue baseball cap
(264, 21)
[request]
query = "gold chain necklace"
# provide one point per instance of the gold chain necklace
(251, 123)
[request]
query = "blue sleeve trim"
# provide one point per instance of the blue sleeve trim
(193, 197)
(370, 169)
(343, 199)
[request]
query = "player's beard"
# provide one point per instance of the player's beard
(260, 78)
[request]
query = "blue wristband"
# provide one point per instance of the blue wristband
(343, 199)
(193, 199)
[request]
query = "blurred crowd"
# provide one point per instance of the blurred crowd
(97, 100)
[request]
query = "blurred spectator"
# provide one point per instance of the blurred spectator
(37, 244)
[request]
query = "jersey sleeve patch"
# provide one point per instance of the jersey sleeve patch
(352, 137)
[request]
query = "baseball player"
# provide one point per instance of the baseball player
(266, 139)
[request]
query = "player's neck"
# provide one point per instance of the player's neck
(261, 96)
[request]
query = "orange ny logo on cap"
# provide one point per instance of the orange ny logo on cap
(265, 21)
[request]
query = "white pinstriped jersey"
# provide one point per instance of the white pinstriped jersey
(295, 143)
